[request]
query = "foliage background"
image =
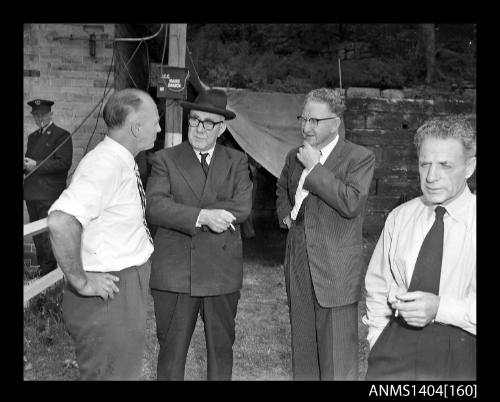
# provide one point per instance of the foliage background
(295, 58)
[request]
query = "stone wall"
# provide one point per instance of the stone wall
(385, 122)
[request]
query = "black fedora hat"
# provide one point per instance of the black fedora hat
(212, 101)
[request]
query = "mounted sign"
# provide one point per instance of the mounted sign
(172, 83)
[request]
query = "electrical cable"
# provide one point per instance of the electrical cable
(149, 66)
(126, 68)
(101, 102)
(140, 39)
(134, 52)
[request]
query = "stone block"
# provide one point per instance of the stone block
(380, 137)
(397, 188)
(453, 107)
(31, 73)
(392, 93)
(359, 92)
(381, 203)
(399, 155)
(387, 121)
(390, 105)
(354, 119)
(412, 121)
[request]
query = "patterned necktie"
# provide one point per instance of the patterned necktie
(204, 163)
(143, 201)
(427, 272)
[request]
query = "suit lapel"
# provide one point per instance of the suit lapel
(190, 168)
(336, 156)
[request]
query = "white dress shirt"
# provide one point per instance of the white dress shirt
(391, 266)
(104, 197)
(209, 156)
(301, 194)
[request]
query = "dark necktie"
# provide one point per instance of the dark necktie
(204, 163)
(143, 201)
(427, 272)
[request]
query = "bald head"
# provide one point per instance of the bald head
(121, 104)
(132, 119)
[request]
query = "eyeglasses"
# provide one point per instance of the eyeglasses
(207, 124)
(314, 122)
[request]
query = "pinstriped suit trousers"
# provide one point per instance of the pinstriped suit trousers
(324, 340)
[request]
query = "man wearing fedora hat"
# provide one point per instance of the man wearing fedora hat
(197, 194)
(45, 180)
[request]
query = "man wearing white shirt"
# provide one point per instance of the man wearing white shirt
(421, 295)
(321, 198)
(199, 192)
(102, 244)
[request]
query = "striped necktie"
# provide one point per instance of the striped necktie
(143, 201)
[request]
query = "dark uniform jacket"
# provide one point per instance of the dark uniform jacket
(333, 218)
(187, 259)
(49, 180)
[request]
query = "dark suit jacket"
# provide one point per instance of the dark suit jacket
(49, 180)
(187, 259)
(333, 218)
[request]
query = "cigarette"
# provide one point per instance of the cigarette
(396, 313)
(231, 226)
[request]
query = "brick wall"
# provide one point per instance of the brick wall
(58, 66)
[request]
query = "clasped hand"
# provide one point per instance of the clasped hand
(29, 164)
(217, 220)
(417, 308)
(308, 156)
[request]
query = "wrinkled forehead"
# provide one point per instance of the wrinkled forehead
(441, 149)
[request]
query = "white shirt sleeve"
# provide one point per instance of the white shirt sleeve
(93, 183)
(378, 282)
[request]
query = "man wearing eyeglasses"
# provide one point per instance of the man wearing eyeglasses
(197, 194)
(321, 197)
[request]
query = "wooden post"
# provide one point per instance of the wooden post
(176, 58)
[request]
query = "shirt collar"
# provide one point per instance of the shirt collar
(459, 208)
(327, 150)
(119, 150)
(210, 153)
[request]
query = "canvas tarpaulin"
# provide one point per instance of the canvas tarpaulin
(266, 125)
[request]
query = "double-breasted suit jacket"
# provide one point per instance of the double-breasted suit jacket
(333, 218)
(49, 180)
(188, 259)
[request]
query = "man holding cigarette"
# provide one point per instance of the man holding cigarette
(197, 195)
(421, 280)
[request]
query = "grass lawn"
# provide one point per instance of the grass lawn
(262, 346)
